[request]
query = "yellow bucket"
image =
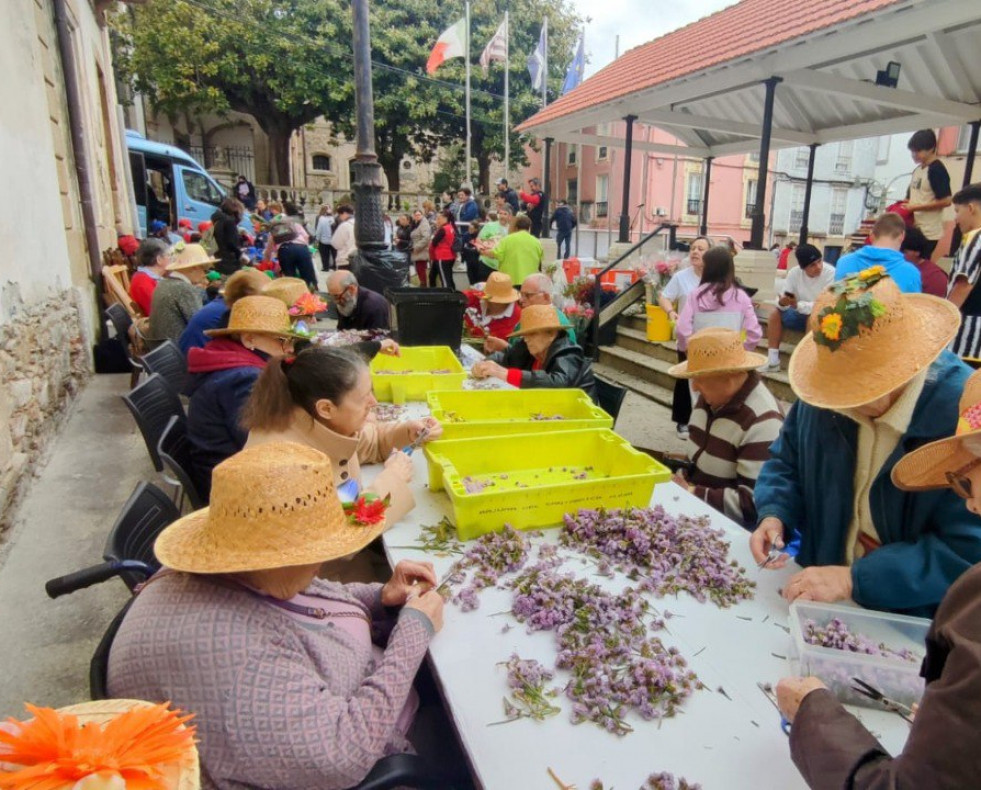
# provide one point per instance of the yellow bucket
(658, 324)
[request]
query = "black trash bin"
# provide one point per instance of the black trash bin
(427, 316)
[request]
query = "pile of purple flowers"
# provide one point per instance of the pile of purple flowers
(529, 698)
(837, 635)
(603, 641)
(490, 557)
(388, 412)
(660, 781)
(665, 555)
(348, 337)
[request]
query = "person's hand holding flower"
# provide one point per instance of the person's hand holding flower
(409, 579)
(390, 347)
(486, 369)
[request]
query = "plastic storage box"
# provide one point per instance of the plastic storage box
(898, 679)
(427, 316)
(500, 412)
(411, 376)
(532, 480)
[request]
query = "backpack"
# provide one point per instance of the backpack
(208, 241)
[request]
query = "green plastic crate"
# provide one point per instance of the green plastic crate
(469, 414)
(539, 477)
(412, 376)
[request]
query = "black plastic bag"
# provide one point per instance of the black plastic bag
(377, 270)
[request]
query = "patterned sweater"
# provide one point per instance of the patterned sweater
(730, 445)
(277, 704)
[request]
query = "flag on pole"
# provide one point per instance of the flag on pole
(496, 49)
(573, 74)
(451, 44)
(536, 63)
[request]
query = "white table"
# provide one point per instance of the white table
(713, 741)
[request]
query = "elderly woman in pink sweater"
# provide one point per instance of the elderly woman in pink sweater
(296, 682)
(718, 302)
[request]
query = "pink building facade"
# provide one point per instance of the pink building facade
(664, 187)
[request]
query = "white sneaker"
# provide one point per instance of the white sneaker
(770, 367)
(682, 431)
(460, 267)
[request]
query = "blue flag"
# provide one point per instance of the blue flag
(573, 74)
(536, 63)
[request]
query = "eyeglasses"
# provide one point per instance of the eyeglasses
(959, 481)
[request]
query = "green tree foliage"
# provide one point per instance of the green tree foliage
(286, 62)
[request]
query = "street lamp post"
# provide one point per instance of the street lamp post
(369, 229)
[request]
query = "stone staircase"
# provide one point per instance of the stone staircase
(642, 366)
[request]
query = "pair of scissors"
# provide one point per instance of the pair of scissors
(867, 690)
(417, 441)
(767, 690)
(773, 556)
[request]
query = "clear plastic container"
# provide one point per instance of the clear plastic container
(895, 677)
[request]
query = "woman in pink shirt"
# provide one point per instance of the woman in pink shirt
(718, 302)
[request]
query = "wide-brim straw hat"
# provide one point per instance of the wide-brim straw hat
(716, 351)
(190, 256)
(927, 466)
(251, 281)
(182, 775)
(286, 289)
(261, 315)
(884, 352)
(499, 289)
(272, 506)
(539, 318)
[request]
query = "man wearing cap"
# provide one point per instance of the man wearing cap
(830, 747)
(914, 248)
(358, 307)
(887, 237)
(179, 295)
(874, 381)
(544, 357)
(161, 230)
(508, 195)
(733, 424)
(803, 284)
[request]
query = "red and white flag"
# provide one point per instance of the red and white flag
(496, 49)
(451, 44)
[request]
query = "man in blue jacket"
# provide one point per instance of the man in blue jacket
(887, 237)
(874, 382)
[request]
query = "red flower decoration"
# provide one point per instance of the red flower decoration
(367, 510)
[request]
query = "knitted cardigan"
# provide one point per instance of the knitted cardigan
(277, 704)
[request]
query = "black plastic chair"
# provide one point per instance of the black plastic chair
(167, 360)
(128, 552)
(153, 403)
(175, 452)
(99, 665)
(610, 397)
(121, 322)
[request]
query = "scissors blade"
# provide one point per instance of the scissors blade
(416, 442)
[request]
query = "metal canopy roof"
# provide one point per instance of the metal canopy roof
(826, 54)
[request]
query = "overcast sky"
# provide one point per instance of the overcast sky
(636, 22)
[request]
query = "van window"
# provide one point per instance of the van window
(199, 187)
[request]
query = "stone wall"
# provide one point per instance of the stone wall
(43, 363)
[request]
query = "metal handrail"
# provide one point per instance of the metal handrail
(599, 320)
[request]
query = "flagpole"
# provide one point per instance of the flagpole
(507, 98)
(467, 56)
(545, 64)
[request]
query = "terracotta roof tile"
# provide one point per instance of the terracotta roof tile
(734, 32)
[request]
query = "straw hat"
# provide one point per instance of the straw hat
(927, 467)
(714, 351)
(867, 339)
(499, 289)
(182, 774)
(286, 289)
(273, 506)
(244, 282)
(189, 256)
(539, 318)
(260, 314)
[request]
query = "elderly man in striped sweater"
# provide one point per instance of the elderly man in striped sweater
(734, 422)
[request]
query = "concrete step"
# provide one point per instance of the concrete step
(654, 371)
(790, 337)
(643, 387)
(636, 340)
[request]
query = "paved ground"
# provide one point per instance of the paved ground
(91, 469)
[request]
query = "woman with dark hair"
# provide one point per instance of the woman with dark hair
(323, 398)
(718, 302)
(441, 255)
(403, 231)
(226, 220)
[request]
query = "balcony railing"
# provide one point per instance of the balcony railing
(694, 206)
(602, 208)
(836, 227)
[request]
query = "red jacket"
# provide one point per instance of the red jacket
(441, 246)
(141, 289)
(499, 327)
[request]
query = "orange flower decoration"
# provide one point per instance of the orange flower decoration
(308, 304)
(831, 326)
(54, 751)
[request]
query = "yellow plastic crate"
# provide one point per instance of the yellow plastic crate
(533, 480)
(411, 377)
(468, 413)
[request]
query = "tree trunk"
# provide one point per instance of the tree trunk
(393, 171)
(279, 154)
(483, 173)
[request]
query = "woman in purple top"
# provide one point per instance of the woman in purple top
(296, 682)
